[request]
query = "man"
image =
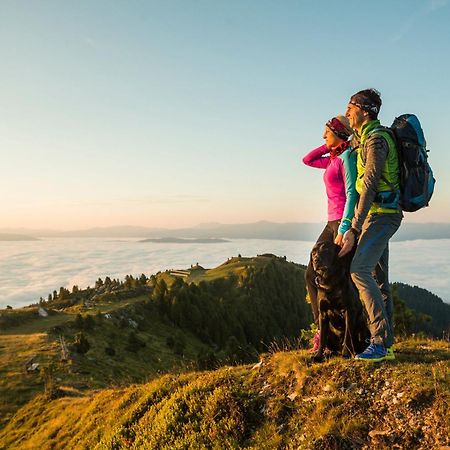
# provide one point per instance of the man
(377, 217)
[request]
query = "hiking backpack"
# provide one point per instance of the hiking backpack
(416, 177)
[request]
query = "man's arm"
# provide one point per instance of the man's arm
(376, 151)
(376, 154)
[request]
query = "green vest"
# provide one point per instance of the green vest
(390, 179)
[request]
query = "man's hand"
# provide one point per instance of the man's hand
(348, 241)
(338, 240)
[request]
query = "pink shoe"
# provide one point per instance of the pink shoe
(315, 342)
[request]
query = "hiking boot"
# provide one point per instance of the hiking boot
(374, 352)
(390, 356)
(315, 342)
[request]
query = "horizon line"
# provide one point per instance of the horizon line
(13, 230)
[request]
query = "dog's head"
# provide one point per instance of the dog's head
(325, 259)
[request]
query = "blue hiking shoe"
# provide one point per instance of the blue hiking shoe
(374, 352)
(390, 355)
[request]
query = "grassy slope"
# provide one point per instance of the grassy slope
(16, 386)
(233, 267)
(284, 403)
(95, 369)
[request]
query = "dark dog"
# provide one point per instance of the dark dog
(343, 327)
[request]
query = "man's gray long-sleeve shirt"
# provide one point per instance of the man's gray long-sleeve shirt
(374, 153)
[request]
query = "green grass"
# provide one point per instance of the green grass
(96, 369)
(37, 324)
(16, 385)
(23, 334)
(285, 403)
(234, 266)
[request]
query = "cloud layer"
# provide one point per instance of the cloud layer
(29, 270)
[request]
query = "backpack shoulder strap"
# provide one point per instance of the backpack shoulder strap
(381, 132)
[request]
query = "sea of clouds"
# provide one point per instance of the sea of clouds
(29, 270)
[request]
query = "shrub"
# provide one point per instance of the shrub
(78, 323)
(134, 343)
(89, 322)
(81, 344)
(207, 361)
(51, 389)
(170, 341)
(307, 335)
(57, 329)
(179, 344)
(110, 350)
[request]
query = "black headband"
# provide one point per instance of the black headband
(365, 103)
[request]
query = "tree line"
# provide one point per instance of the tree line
(248, 311)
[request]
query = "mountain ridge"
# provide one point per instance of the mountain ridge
(254, 230)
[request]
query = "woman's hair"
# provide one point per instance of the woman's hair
(340, 126)
(368, 100)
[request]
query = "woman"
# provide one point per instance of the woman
(339, 162)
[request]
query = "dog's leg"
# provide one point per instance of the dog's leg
(324, 326)
(356, 330)
(347, 347)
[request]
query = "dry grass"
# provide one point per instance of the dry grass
(16, 385)
(283, 403)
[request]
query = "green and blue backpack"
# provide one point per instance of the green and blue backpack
(416, 176)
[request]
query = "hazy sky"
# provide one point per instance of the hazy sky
(171, 113)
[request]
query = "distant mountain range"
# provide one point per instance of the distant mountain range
(171, 240)
(16, 237)
(256, 230)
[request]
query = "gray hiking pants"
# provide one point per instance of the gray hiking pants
(369, 271)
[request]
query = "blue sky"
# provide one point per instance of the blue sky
(173, 113)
